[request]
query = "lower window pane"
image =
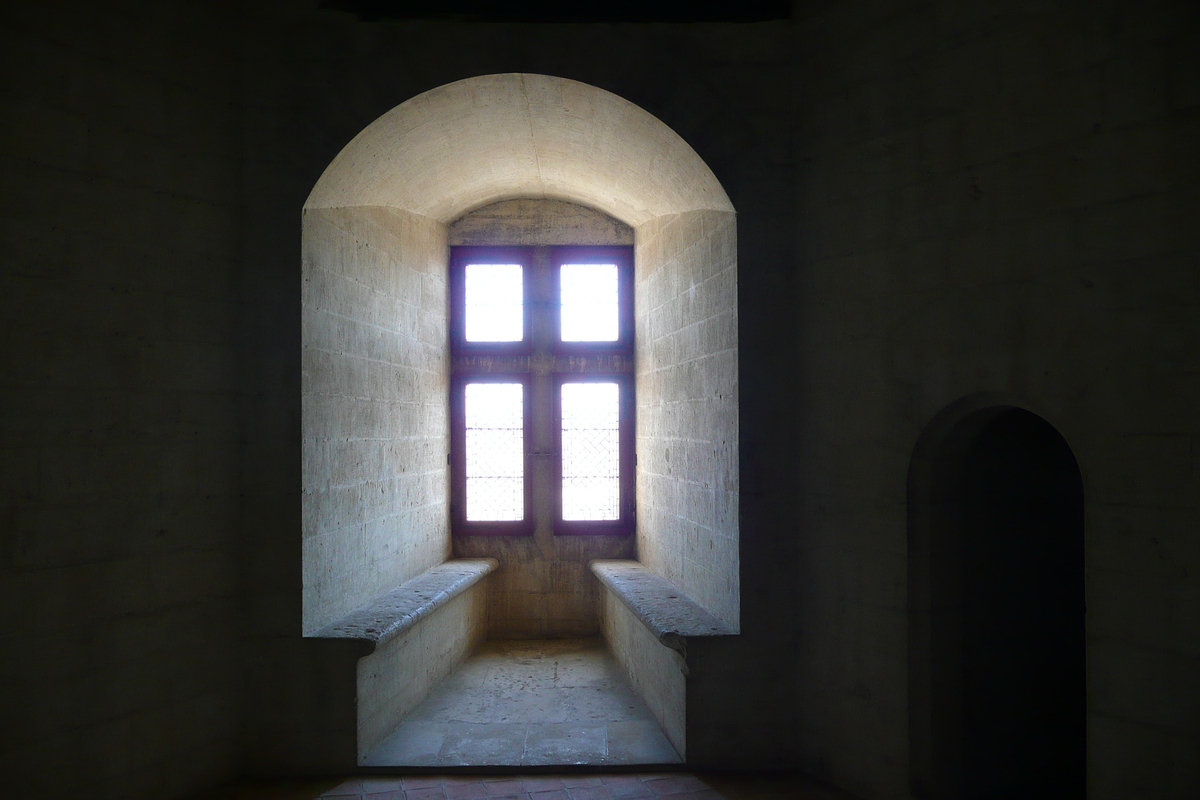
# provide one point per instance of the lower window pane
(495, 451)
(591, 451)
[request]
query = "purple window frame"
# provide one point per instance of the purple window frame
(505, 358)
(596, 254)
(460, 257)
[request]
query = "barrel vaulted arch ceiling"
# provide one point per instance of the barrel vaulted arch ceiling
(493, 137)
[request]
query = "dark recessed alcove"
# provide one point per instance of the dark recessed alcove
(998, 694)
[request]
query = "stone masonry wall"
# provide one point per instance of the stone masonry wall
(119, 452)
(934, 199)
(375, 411)
(686, 307)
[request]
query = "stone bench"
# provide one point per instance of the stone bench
(658, 604)
(391, 615)
(669, 645)
(377, 663)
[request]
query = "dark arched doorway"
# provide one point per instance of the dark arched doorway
(998, 685)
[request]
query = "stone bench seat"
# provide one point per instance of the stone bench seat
(662, 607)
(394, 613)
(674, 650)
(371, 667)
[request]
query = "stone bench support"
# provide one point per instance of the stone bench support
(402, 650)
(663, 640)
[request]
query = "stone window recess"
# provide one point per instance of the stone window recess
(454, 167)
(542, 405)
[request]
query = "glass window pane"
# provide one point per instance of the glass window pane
(495, 451)
(591, 453)
(589, 302)
(495, 303)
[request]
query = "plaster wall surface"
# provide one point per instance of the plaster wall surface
(375, 371)
(994, 200)
(119, 455)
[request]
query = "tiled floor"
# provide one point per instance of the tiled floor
(530, 703)
(671, 786)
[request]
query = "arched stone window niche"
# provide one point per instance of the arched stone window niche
(375, 357)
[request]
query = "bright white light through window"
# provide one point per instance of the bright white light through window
(589, 302)
(495, 303)
(591, 470)
(495, 451)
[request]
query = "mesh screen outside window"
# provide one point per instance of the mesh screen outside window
(591, 451)
(495, 451)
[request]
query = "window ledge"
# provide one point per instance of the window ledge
(669, 614)
(390, 615)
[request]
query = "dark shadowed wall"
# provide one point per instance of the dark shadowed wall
(935, 199)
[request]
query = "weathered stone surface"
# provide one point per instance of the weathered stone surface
(529, 221)
(375, 418)
(658, 674)
(686, 300)
(402, 671)
(662, 607)
(529, 148)
(397, 611)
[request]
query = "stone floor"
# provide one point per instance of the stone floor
(669, 786)
(530, 703)
(554, 701)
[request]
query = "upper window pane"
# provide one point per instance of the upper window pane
(495, 303)
(589, 303)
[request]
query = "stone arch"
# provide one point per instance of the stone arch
(495, 137)
(997, 678)
(374, 352)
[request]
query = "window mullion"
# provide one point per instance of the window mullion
(544, 458)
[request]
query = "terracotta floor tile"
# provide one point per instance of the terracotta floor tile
(550, 794)
(677, 784)
(499, 788)
(465, 791)
(420, 782)
(425, 793)
(534, 783)
(629, 791)
(590, 793)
